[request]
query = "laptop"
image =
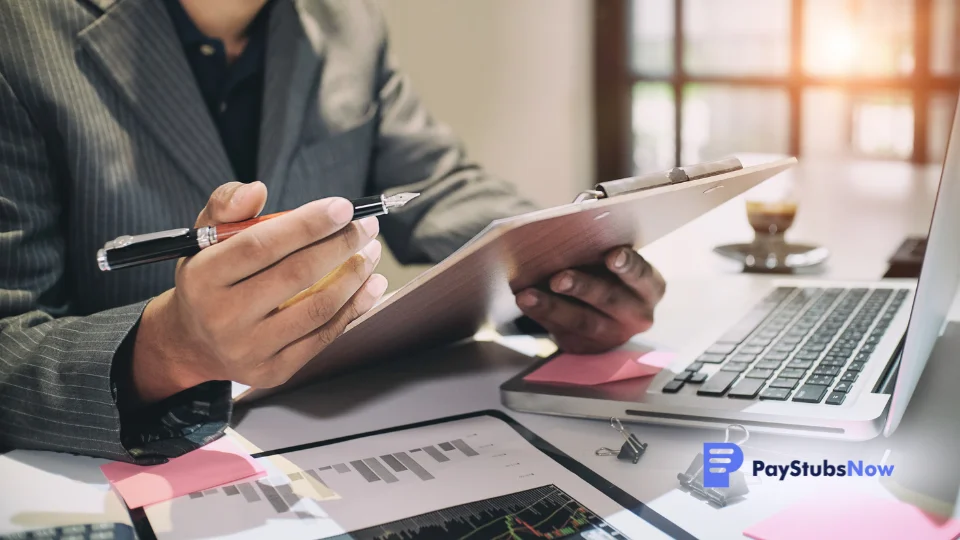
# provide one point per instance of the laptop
(807, 357)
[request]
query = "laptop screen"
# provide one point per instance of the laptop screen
(937, 286)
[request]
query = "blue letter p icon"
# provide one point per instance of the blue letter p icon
(719, 460)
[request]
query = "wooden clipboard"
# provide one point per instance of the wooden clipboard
(474, 286)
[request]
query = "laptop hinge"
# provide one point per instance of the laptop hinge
(889, 377)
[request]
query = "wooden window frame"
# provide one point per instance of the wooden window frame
(614, 79)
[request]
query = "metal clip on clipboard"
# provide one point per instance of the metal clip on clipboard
(675, 175)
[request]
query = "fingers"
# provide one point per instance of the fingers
(586, 312)
(233, 201)
(289, 360)
(608, 295)
(637, 273)
(317, 306)
(268, 242)
(561, 316)
(269, 288)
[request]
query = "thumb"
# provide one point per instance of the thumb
(233, 201)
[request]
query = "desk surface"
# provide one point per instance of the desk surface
(859, 211)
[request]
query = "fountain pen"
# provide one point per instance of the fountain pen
(128, 251)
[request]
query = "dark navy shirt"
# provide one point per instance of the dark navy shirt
(233, 92)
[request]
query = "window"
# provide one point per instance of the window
(683, 81)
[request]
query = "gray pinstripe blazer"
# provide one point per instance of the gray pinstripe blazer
(103, 132)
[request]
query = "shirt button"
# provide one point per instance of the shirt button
(223, 106)
(207, 50)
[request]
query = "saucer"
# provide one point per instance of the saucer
(774, 258)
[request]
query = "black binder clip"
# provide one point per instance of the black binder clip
(632, 448)
(692, 479)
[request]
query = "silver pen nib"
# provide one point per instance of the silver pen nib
(398, 200)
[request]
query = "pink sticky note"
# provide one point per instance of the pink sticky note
(854, 517)
(215, 464)
(591, 369)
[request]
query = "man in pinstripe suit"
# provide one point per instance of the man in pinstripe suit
(123, 116)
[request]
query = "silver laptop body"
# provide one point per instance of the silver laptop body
(813, 358)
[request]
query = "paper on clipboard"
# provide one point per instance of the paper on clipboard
(474, 286)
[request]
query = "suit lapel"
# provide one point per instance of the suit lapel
(136, 46)
(294, 57)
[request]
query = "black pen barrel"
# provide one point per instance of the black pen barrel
(368, 206)
(151, 251)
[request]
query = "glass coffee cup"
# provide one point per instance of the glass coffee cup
(772, 208)
(770, 220)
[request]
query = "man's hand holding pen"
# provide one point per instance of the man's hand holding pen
(222, 321)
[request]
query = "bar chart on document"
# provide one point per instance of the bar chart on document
(473, 479)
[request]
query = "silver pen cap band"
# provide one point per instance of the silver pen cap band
(102, 260)
(206, 237)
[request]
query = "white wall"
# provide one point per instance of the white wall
(514, 80)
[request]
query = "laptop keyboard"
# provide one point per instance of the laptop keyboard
(801, 344)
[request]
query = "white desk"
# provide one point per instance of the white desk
(874, 206)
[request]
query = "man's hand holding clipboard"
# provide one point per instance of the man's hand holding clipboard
(594, 311)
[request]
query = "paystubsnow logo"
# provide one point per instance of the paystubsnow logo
(720, 460)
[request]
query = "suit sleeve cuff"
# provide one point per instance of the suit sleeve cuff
(172, 427)
(178, 424)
